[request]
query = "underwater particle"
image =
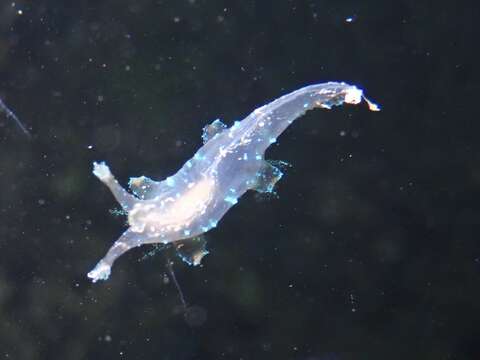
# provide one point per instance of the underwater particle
(350, 19)
(192, 201)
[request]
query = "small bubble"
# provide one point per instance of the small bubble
(195, 316)
(343, 133)
(165, 279)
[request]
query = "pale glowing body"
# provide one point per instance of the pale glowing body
(230, 162)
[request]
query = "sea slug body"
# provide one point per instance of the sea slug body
(230, 162)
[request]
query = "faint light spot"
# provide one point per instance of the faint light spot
(195, 316)
(90, 147)
(343, 133)
(176, 19)
(20, 12)
(41, 202)
(351, 19)
(108, 338)
(127, 68)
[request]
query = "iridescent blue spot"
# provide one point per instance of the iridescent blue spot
(245, 156)
(189, 164)
(258, 157)
(305, 105)
(186, 232)
(272, 140)
(170, 182)
(230, 199)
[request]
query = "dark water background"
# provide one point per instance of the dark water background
(371, 250)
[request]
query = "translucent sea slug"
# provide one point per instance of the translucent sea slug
(230, 162)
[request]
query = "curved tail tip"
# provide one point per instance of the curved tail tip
(355, 95)
(371, 105)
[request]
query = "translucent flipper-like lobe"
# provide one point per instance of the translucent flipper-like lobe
(267, 177)
(192, 250)
(209, 131)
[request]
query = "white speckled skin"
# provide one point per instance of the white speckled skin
(230, 162)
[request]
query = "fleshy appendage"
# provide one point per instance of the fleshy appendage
(100, 272)
(101, 171)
